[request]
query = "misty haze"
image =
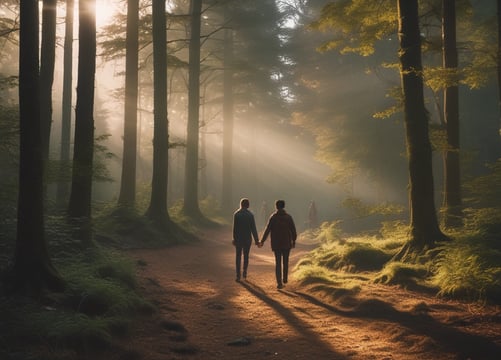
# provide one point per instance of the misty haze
(222, 179)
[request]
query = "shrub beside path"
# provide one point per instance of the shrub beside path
(204, 314)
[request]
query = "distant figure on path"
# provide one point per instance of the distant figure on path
(244, 229)
(283, 238)
(264, 213)
(312, 215)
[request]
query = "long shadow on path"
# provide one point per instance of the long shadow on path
(293, 321)
(465, 345)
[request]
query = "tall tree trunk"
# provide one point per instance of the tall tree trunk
(451, 114)
(48, 58)
(128, 184)
(157, 210)
(227, 183)
(63, 182)
(424, 229)
(499, 59)
(33, 269)
(203, 148)
(81, 187)
(191, 207)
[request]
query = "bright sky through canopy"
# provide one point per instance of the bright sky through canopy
(105, 10)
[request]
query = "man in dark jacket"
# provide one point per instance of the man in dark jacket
(244, 229)
(283, 239)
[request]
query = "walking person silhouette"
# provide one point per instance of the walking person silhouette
(244, 229)
(282, 231)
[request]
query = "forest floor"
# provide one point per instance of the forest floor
(205, 314)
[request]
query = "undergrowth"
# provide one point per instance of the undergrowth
(100, 302)
(467, 267)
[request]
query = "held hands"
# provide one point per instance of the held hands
(259, 244)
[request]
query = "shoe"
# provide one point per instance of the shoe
(245, 275)
(237, 279)
(285, 281)
(279, 286)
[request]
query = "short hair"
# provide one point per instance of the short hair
(244, 202)
(280, 204)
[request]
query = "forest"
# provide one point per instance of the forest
(140, 124)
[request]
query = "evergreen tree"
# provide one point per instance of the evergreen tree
(33, 270)
(48, 58)
(157, 210)
(128, 179)
(191, 207)
(452, 190)
(228, 111)
(64, 156)
(79, 208)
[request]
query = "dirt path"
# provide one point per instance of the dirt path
(205, 314)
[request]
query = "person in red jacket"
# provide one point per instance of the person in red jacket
(283, 233)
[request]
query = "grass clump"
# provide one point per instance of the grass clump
(405, 274)
(353, 255)
(469, 269)
(341, 267)
(126, 228)
(328, 232)
(31, 324)
(323, 280)
(100, 302)
(103, 283)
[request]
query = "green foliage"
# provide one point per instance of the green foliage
(353, 255)
(211, 215)
(393, 234)
(127, 227)
(101, 156)
(177, 215)
(469, 269)
(439, 78)
(99, 303)
(61, 171)
(366, 28)
(357, 25)
(485, 190)
(110, 267)
(326, 281)
(484, 222)
(326, 232)
(480, 58)
(466, 267)
(395, 93)
(211, 208)
(112, 40)
(404, 274)
(33, 324)
(438, 137)
(329, 232)
(469, 266)
(359, 209)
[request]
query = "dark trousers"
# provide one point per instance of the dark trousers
(282, 262)
(242, 249)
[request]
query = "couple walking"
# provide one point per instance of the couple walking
(282, 232)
